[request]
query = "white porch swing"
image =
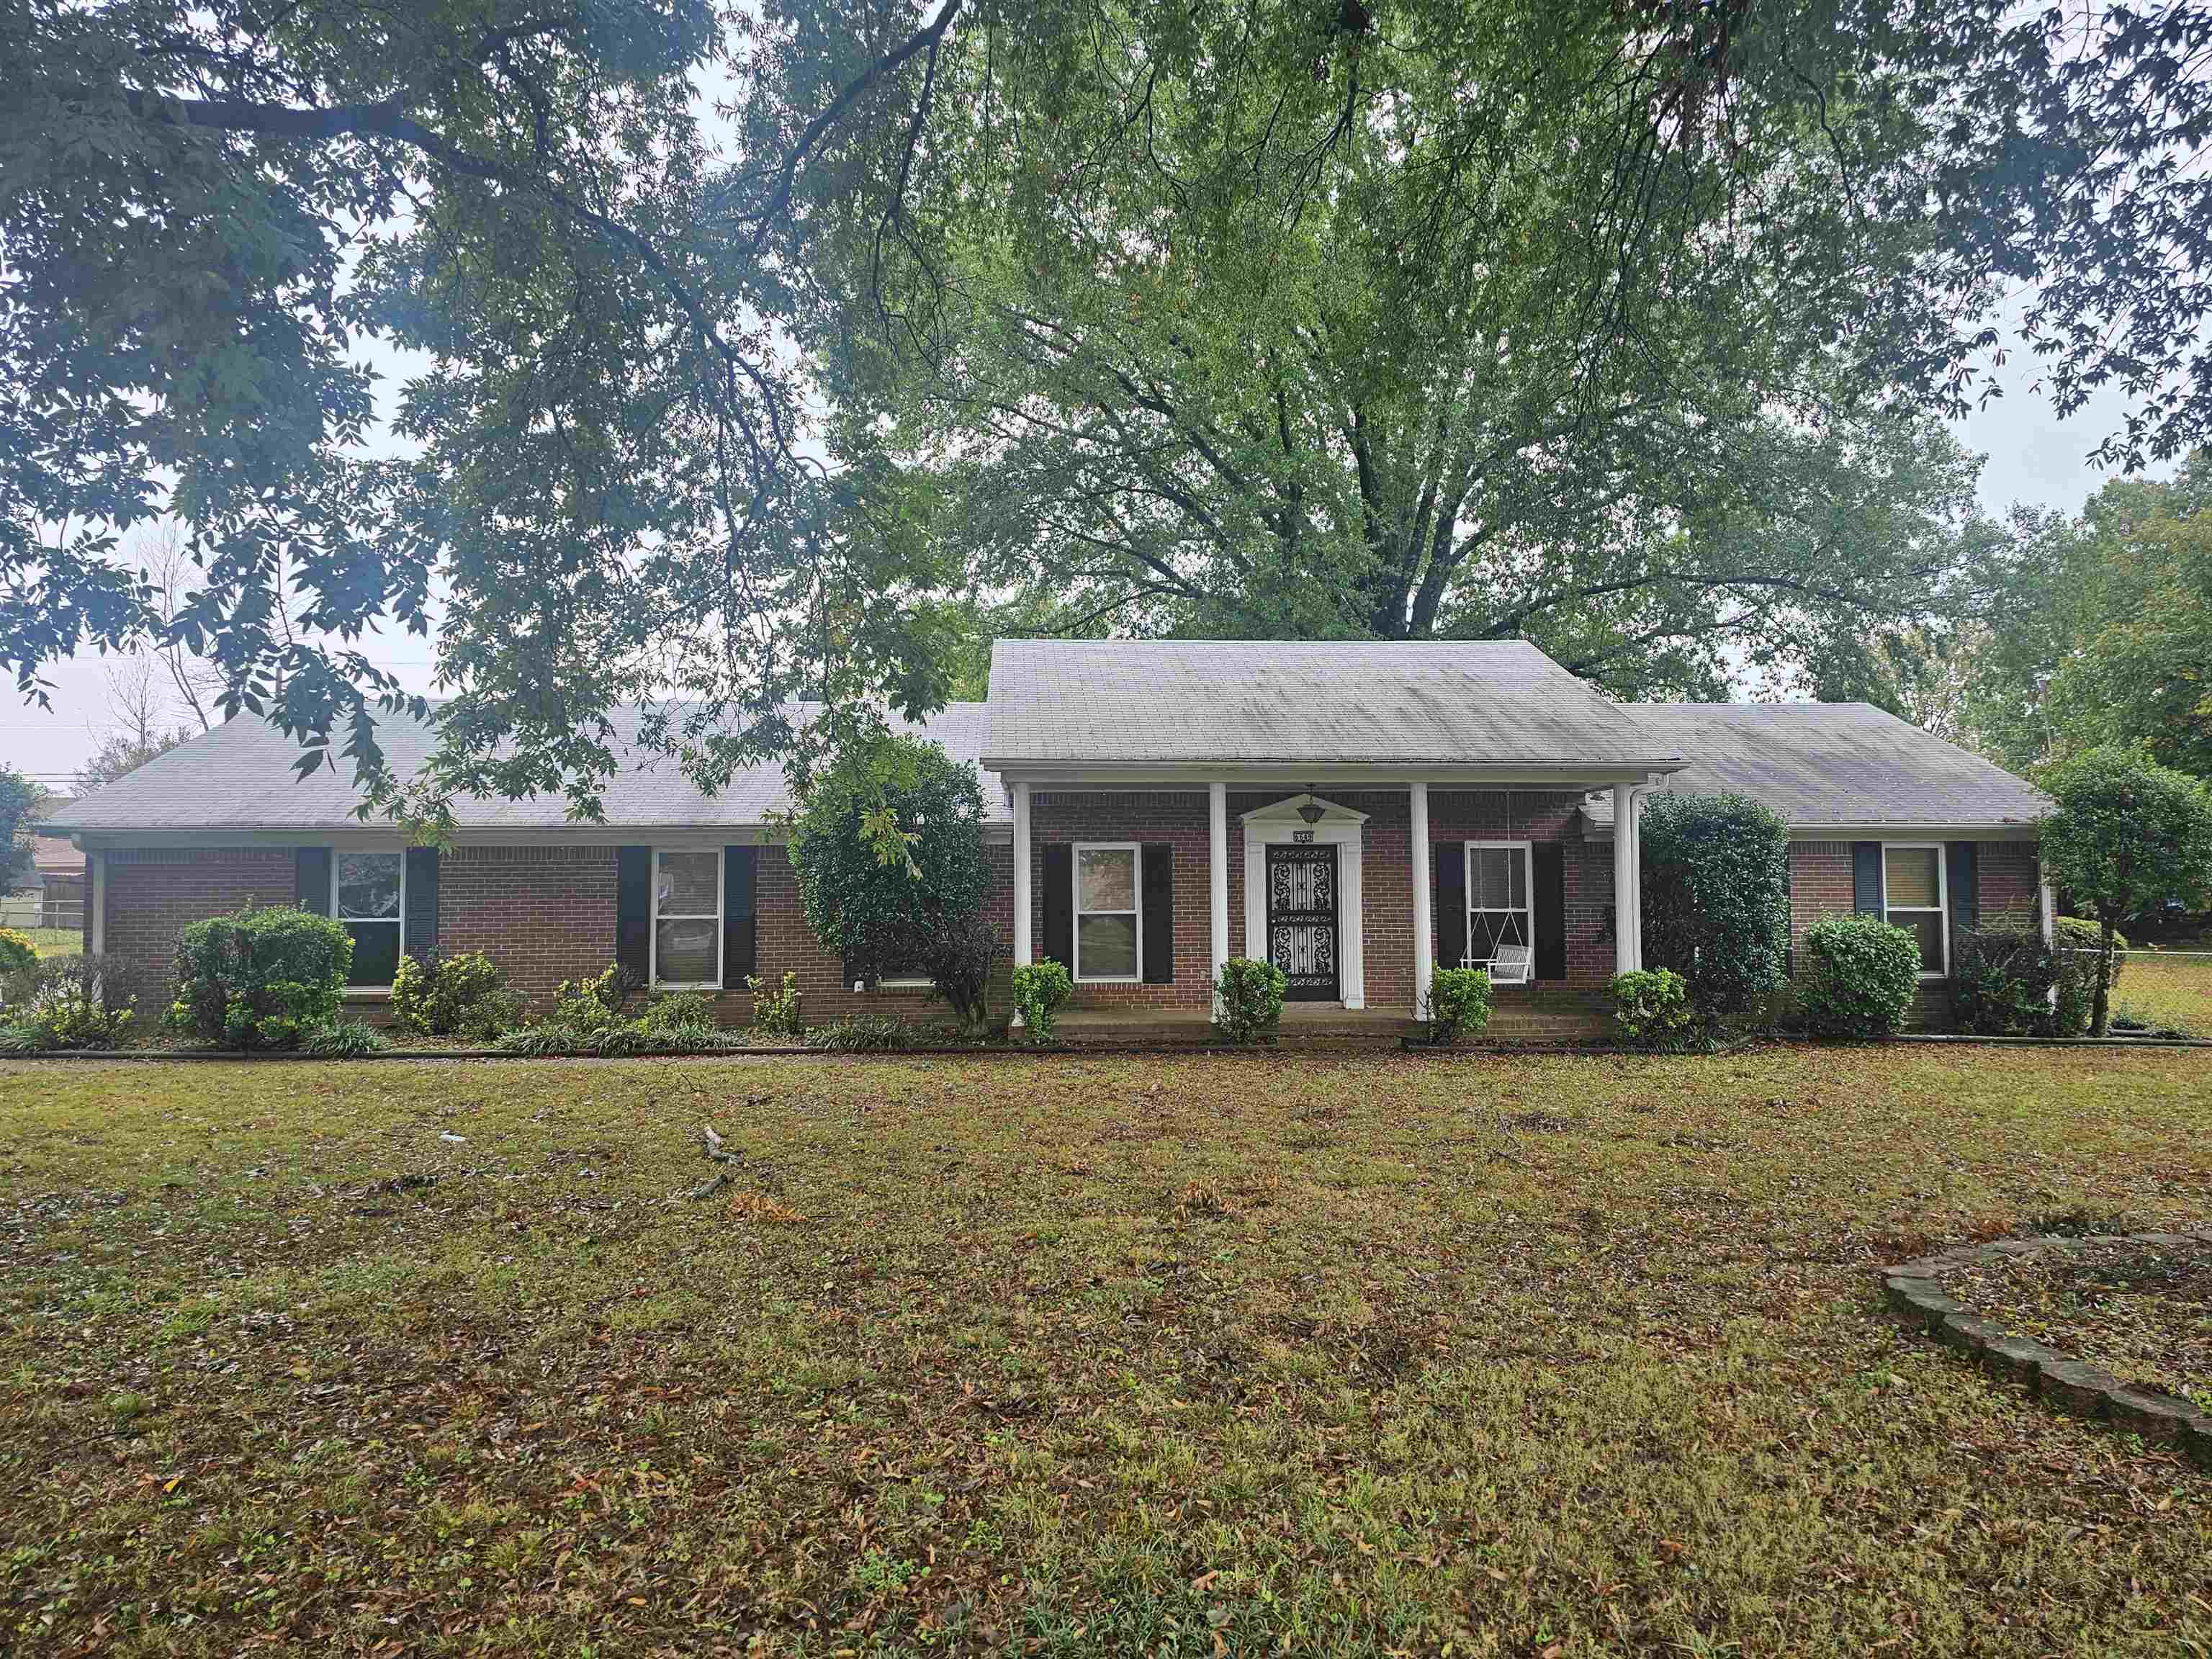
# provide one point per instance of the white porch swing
(1511, 956)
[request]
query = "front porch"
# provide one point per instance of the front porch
(1359, 889)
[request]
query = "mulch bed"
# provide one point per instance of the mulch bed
(2140, 1310)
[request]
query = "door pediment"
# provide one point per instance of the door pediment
(1286, 811)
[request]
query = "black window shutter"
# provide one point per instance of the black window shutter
(311, 879)
(422, 924)
(1158, 899)
(1060, 904)
(1451, 902)
(1960, 870)
(1866, 877)
(1550, 898)
(740, 918)
(634, 910)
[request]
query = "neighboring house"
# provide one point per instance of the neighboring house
(1151, 809)
(49, 882)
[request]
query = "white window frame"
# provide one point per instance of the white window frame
(719, 918)
(1076, 913)
(338, 855)
(1942, 895)
(1527, 910)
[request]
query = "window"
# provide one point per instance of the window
(1109, 931)
(368, 894)
(1913, 898)
(687, 921)
(1496, 897)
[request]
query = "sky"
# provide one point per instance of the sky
(2033, 458)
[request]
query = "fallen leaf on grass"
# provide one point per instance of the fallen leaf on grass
(759, 1206)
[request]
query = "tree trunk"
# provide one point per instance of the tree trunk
(2104, 978)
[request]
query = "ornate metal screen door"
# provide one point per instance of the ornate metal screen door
(1302, 919)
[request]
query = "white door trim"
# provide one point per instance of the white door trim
(1340, 828)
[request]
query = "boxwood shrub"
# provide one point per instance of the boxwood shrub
(260, 979)
(1251, 998)
(1651, 1009)
(1860, 976)
(460, 995)
(1460, 1001)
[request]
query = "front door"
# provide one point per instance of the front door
(1302, 919)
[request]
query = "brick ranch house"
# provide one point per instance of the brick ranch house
(1152, 808)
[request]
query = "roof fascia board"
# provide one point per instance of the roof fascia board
(374, 838)
(1295, 774)
(1597, 829)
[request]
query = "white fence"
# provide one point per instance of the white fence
(35, 911)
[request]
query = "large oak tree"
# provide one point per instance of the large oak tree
(1621, 286)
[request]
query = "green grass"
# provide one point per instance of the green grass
(2168, 991)
(1202, 1355)
(53, 941)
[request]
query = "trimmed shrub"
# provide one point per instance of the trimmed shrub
(16, 954)
(1716, 883)
(1651, 1009)
(1860, 976)
(775, 1013)
(70, 1002)
(1251, 998)
(862, 1033)
(1460, 1000)
(458, 995)
(260, 979)
(1041, 991)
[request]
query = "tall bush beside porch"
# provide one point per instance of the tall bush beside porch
(887, 847)
(1716, 898)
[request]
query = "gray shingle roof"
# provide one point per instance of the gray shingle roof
(240, 776)
(1182, 701)
(1834, 765)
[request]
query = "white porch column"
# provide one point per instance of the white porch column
(1425, 927)
(95, 895)
(1626, 929)
(2047, 912)
(1217, 872)
(1021, 876)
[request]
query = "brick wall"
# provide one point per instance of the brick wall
(2008, 880)
(1176, 817)
(1544, 816)
(1820, 885)
(547, 914)
(542, 913)
(149, 894)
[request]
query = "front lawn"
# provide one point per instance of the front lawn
(53, 941)
(1207, 1355)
